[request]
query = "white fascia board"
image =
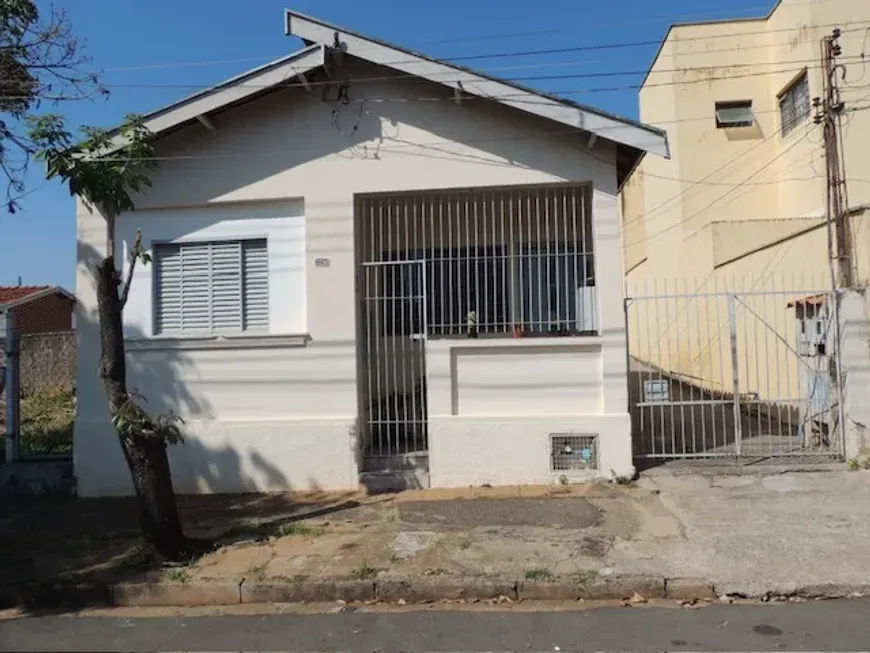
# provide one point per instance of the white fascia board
(233, 90)
(612, 128)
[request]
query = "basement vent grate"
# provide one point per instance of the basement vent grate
(573, 452)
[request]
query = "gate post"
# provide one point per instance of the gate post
(735, 372)
(10, 347)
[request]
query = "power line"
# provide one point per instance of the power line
(267, 59)
(741, 156)
(594, 75)
(518, 96)
(721, 197)
(521, 53)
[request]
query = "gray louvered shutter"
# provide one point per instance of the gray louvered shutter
(226, 286)
(255, 292)
(167, 291)
(195, 288)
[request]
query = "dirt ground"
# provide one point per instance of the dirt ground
(304, 535)
(747, 534)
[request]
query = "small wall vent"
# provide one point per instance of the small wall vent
(572, 452)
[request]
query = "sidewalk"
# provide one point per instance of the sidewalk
(674, 535)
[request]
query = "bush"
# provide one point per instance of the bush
(47, 420)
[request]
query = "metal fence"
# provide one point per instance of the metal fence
(733, 371)
(471, 263)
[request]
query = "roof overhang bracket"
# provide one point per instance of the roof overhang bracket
(206, 122)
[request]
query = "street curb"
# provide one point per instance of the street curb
(388, 589)
(307, 591)
(689, 589)
(600, 587)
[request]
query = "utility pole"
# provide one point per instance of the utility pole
(829, 112)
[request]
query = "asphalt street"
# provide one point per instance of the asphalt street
(829, 626)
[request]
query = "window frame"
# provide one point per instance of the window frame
(259, 331)
(787, 128)
(734, 104)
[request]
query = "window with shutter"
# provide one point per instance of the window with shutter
(216, 287)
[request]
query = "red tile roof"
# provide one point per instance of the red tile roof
(14, 293)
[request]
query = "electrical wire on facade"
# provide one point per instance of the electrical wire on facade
(681, 223)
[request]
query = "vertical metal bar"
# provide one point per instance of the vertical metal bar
(579, 262)
(669, 368)
(13, 394)
(717, 334)
(447, 255)
(636, 305)
(548, 261)
(659, 361)
(695, 385)
(780, 399)
(406, 308)
(752, 318)
(379, 398)
(530, 280)
(570, 266)
(732, 324)
(769, 399)
(648, 360)
(395, 292)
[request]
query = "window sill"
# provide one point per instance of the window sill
(491, 343)
(163, 343)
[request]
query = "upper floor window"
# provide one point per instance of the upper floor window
(794, 104)
(211, 287)
(734, 114)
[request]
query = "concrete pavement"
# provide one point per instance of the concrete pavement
(666, 535)
(827, 626)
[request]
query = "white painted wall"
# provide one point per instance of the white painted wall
(281, 223)
(855, 358)
(281, 413)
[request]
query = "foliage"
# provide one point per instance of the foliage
(132, 420)
(40, 61)
(105, 168)
(47, 419)
(363, 571)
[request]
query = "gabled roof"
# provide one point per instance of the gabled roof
(606, 125)
(11, 296)
(323, 37)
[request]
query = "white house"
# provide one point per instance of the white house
(370, 265)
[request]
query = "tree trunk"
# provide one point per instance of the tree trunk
(145, 453)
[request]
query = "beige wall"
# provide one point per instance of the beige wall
(753, 220)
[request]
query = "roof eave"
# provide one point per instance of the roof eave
(233, 91)
(45, 292)
(613, 128)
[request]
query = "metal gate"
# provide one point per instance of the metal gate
(393, 378)
(746, 374)
(497, 262)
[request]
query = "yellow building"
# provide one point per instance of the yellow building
(740, 205)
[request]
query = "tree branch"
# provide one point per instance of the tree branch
(137, 252)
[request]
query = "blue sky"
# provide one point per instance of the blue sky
(38, 243)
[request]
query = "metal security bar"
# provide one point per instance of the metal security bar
(725, 372)
(498, 262)
(393, 371)
(478, 263)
